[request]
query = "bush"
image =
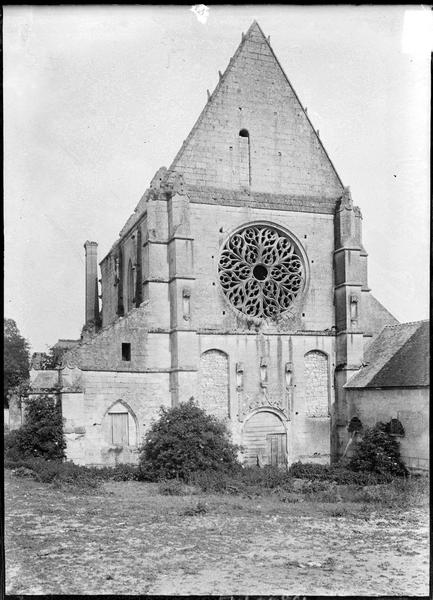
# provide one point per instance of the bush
(56, 473)
(175, 487)
(309, 470)
(41, 435)
(337, 473)
(192, 511)
(121, 472)
(378, 452)
(184, 440)
(248, 481)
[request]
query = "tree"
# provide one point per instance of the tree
(183, 440)
(15, 358)
(378, 452)
(41, 435)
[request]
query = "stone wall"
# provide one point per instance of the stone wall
(210, 228)
(308, 438)
(213, 384)
(84, 413)
(317, 384)
(103, 351)
(409, 405)
(286, 154)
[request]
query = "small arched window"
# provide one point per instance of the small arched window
(244, 157)
(395, 427)
(355, 425)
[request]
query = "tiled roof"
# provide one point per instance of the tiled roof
(398, 357)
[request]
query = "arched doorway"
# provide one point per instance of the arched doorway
(265, 440)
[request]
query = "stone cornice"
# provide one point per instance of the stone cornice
(261, 200)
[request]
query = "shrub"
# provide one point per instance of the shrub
(41, 435)
(121, 472)
(175, 487)
(378, 452)
(338, 474)
(192, 511)
(185, 439)
(247, 481)
(56, 473)
(309, 470)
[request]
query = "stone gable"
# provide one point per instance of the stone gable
(285, 153)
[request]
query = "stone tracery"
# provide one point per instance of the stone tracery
(261, 271)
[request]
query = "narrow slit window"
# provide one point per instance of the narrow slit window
(126, 352)
(130, 287)
(244, 158)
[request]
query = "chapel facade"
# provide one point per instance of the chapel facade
(240, 280)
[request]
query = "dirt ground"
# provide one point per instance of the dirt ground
(128, 539)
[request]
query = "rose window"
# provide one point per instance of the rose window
(261, 271)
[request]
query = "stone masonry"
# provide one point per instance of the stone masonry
(168, 332)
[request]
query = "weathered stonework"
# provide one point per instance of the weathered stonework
(169, 331)
(317, 384)
(213, 379)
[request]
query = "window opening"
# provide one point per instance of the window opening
(244, 157)
(354, 425)
(130, 286)
(261, 271)
(395, 427)
(126, 351)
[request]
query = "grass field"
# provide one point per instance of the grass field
(127, 538)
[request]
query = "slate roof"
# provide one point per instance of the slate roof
(398, 357)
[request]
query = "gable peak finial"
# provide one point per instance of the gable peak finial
(254, 26)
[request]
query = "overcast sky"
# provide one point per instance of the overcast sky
(96, 99)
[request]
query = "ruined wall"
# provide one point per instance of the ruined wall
(103, 351)
(114, 269)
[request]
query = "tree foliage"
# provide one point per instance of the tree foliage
(378, 452)
(41, 435)
(15, 358)
(184, 440)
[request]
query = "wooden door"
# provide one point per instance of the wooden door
(119, 429)
(257, 433)
(276, 443)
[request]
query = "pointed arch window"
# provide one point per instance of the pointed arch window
(244, 157)
(121, 428)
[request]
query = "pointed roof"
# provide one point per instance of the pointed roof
(398, 357)
(254, 94)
